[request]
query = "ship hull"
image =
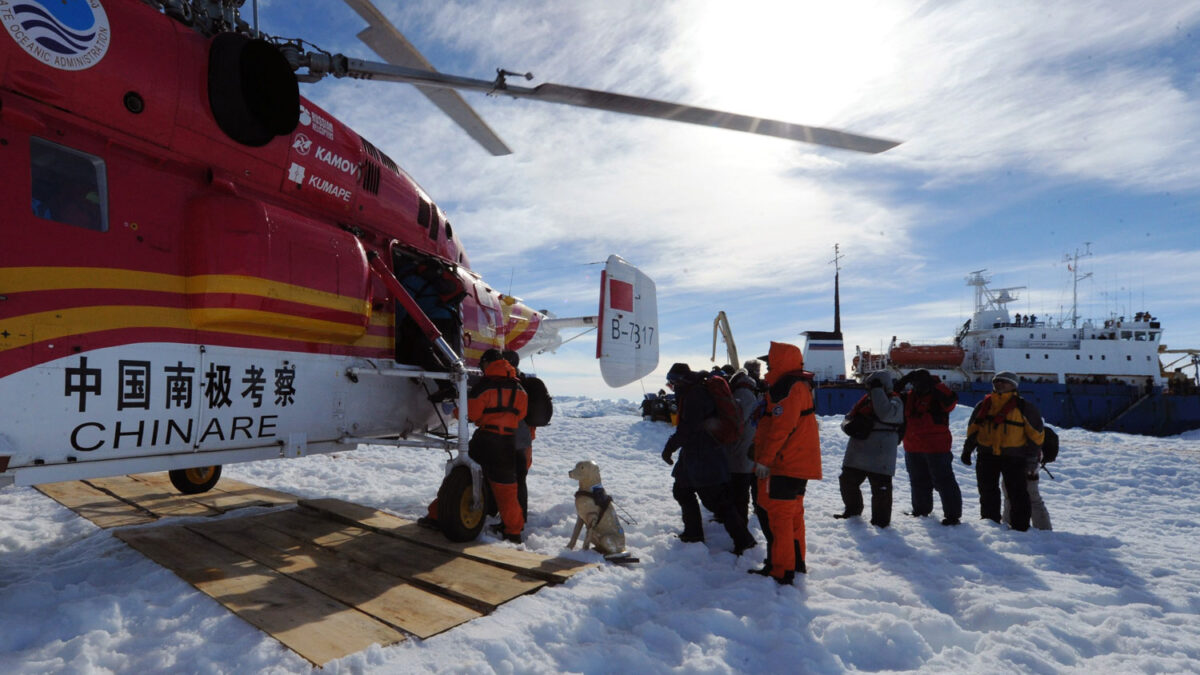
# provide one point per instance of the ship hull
(1097, 407)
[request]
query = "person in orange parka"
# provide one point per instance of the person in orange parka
(787, 454)
(496, 404)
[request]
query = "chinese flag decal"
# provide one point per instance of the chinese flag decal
(620, 295)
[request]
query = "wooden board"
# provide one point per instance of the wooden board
(145, 497)
(159, 500)
(311, 623)
(553, 570)
(385, 597)
(99, 507)
(476, 584)
(227, 495)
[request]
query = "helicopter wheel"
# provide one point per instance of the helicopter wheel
(197, 480)
(458, 521)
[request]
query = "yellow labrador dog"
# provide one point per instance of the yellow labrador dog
(596, 512)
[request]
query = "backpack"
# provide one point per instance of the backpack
(1049, 446)
(540, 408)
(861, 421)
(727, 425)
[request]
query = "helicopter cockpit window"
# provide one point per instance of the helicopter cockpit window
(69, 186)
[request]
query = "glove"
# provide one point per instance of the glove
(901, 383)
(966, 455)
(666, 455)
(761, 471)
(447, 408)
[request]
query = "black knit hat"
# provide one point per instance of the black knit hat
(678, 372)
(489, 356)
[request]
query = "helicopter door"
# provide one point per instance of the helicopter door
(438, 292)
(490, 318)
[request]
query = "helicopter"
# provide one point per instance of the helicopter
(203, 267)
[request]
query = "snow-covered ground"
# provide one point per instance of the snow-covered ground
(1115, 588)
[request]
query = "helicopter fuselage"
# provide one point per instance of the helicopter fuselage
(166, 290)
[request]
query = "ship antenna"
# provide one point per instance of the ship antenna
(1076, 277)
(837, 304)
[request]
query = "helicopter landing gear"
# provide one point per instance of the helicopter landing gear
(456, 517)
(197, 480)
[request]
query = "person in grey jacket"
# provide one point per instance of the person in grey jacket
(739, 455)
(872, 458)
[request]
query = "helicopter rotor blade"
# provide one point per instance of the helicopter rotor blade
(341, 66)
(648, 107)
(390, 44)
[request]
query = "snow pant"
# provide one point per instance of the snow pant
(496, 455)
(523, 460)
(738, 488)
(1039, 517)
(989, 471)
(714, 495)
(881, 494)
(929, 471)
(781, 514)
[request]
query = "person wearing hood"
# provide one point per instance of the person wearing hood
(1008, 432)
(740, 455)
(787, 454)
(702, 470)
(522, 441)
(871, 454)
(927, 440)
(496, 404)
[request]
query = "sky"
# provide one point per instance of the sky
(1030, 131)
(1112, 589)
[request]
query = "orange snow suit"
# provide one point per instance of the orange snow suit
(787, 442)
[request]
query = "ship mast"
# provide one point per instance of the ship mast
(1073, 265)
(837, 305)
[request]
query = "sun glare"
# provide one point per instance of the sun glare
(800, 61)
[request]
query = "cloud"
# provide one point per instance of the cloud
(998, 104)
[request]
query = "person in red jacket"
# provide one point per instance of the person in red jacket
(927, 455)
(787, 454)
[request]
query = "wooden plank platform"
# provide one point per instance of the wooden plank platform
(326, 578)
(553, 570)
(385, 597)
(99, 507)
(142, 498)
(314, 625)
(473, 583)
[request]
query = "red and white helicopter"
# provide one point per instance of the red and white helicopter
(200, 266)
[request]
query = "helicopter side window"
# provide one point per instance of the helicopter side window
(433, 223)
(69, 186)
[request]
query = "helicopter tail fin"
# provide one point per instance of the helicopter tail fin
(627, 335)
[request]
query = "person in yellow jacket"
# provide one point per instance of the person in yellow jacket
(787, 454)
(1007, 431)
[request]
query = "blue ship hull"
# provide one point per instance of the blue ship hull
(1097, 407)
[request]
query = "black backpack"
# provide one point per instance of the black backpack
(541, 407)
(1049, 446)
